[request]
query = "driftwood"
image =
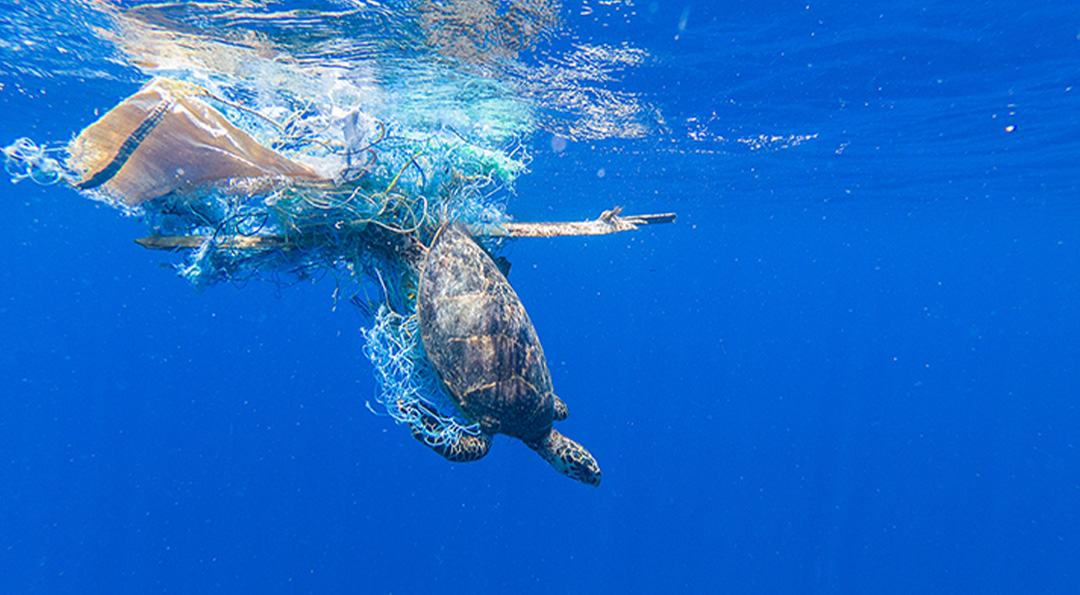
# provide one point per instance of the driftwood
(234, 242)
(607, 222)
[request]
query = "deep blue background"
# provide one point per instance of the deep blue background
(849, 367)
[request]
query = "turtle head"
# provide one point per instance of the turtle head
(568, 457)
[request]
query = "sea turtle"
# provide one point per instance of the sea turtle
(484, 347)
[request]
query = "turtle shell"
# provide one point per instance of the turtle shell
(480, 340)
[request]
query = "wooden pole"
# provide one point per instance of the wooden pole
(607, 222)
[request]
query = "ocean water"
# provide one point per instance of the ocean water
(850, 365)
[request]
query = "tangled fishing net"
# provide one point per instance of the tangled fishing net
(319, 193)
(25, 159)
(409, 389)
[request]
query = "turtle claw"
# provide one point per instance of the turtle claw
(568, 457)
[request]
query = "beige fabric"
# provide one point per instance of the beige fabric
(183, 142)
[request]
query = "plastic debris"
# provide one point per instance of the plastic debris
(166, 138)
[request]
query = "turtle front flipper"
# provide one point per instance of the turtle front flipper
(567, 457)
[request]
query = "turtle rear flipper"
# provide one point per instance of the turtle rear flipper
(567, 457)
(561, 411)
(466, 448)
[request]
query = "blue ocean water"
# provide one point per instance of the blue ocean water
(850, 366)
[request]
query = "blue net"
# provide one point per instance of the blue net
(407, 387)
(25, 159)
